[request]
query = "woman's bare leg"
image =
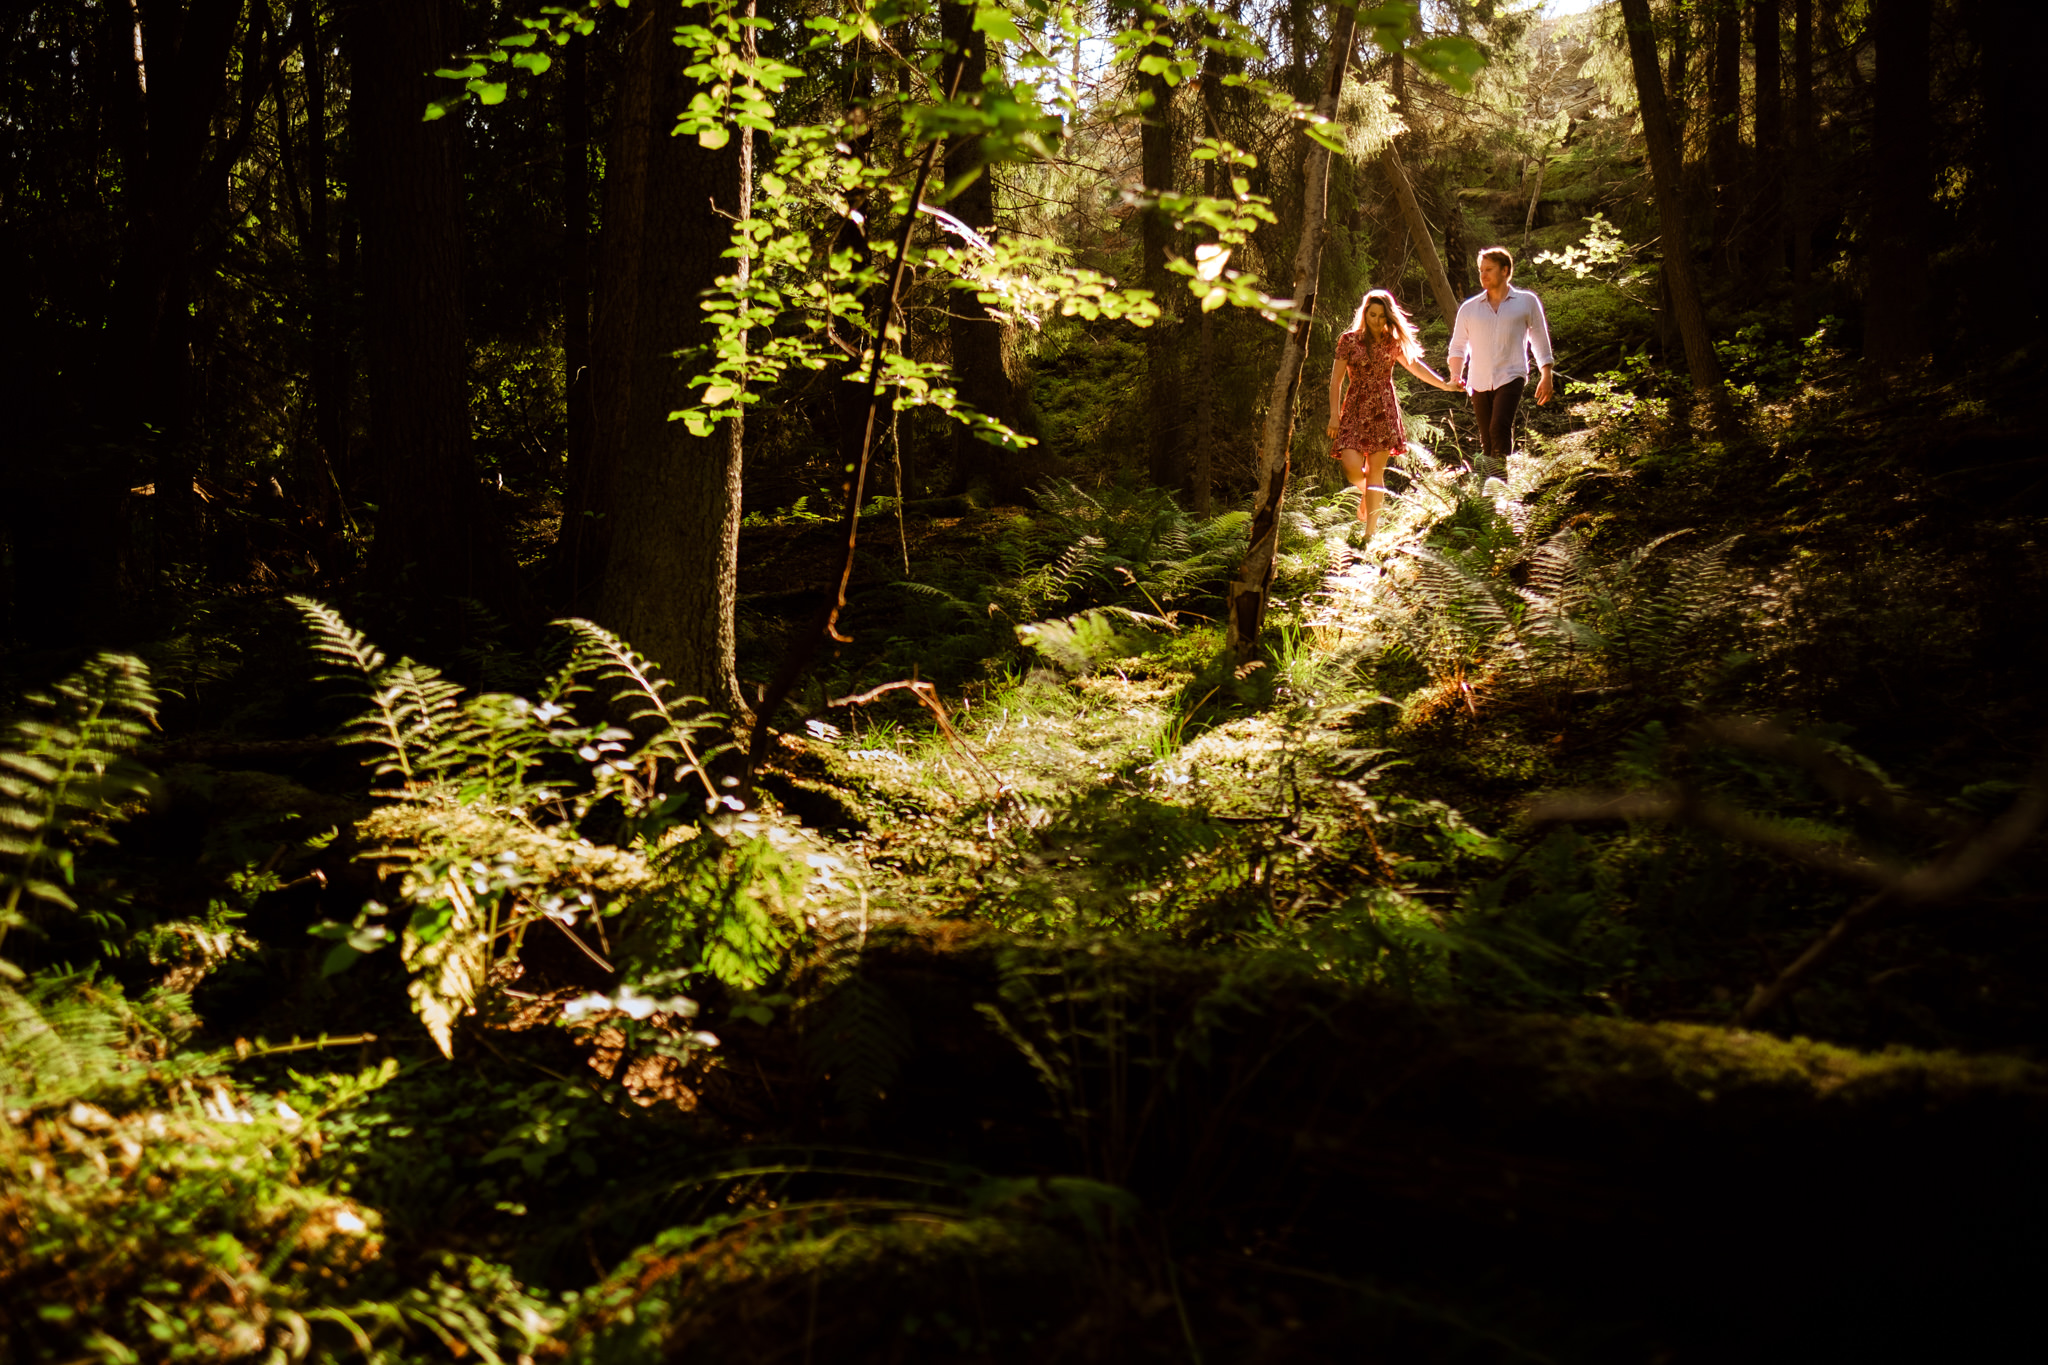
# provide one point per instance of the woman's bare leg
(1354, 471)
(1373, 491)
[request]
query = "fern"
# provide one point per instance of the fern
(855, 1032)
(667, 726)
(1652, 621)
(414, 714)
(1458, 617)
(65, 764)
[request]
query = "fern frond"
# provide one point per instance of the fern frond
(643, 698)
(69, 761)
(338, 644)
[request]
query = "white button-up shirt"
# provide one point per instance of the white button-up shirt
(1495, 342)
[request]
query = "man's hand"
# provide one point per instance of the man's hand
(1543, 386)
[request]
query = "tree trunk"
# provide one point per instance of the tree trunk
(1165, 459)
(1799, 183)
(433, 539)
(979, 373)
(1204, 482)
(1724, 130)
(1895, 332)
(583, 543)
(2009, 33)
(1248, 592)
(1418, 232)
(576, 250)
(1674, 80)
(330, 359)
(170, 94)
(1535, 198)
(674, 510)
(1767, 164)
(1665, 179)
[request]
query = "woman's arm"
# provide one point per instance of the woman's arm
(1422, 371)
(1338, 373)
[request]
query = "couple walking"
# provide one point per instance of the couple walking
(1489, 359)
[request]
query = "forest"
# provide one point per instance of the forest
(695, 681)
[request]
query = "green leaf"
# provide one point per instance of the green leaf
(463, 73)
(1329, 136)
(489, 92)
(536, 62)
(997, 23)
(713, 136)
(1454, 61)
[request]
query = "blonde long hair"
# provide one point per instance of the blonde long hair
(1399, 325)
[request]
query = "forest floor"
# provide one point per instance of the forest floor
(1377, 999)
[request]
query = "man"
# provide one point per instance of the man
(1497, 329)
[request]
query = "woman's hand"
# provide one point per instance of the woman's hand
(1331, 430)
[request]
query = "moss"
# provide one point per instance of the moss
(833, 1282)
(437, 823)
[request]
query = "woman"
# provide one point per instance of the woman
(1365, 422)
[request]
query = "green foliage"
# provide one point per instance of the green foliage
(156, 1210)
(1115, 565)
(65, 767)
(516, 813)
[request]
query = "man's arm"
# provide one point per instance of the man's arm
(1539, 342)
(1460, 339)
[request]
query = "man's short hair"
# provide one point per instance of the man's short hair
(1501, 257)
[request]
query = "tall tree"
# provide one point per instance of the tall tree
(1767, 163)
(673, 501)
(1895, 332)
(1724, 127)
(1246, 597)
(979, 371)
(432, 533)
(1158, 164)
(576, 249)
(583, 544)
(171, 74)
(1800, 177)
(1665, 177)
(330, 356)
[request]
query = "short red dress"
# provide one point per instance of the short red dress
(1371, 420)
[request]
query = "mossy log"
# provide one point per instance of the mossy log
(1556, 1186)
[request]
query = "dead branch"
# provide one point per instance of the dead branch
(1687, 807)
(929, 695)
(807, 645)
(1899, 890)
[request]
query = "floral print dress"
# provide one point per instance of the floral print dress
(1372, 414)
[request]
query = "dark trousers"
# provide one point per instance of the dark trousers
(1496, 412)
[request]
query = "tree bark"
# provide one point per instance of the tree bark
(1165, 459)
(1724, 130)
(1895, 332)
(176, 63)
(1674, 80)
(1247, 595)
(330, 358)
(1767, 164)
(1665, 179)
(1799, 183)
(576, 250)
(432, 539)
(582, 545)
(674, 506)
(979, 372)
